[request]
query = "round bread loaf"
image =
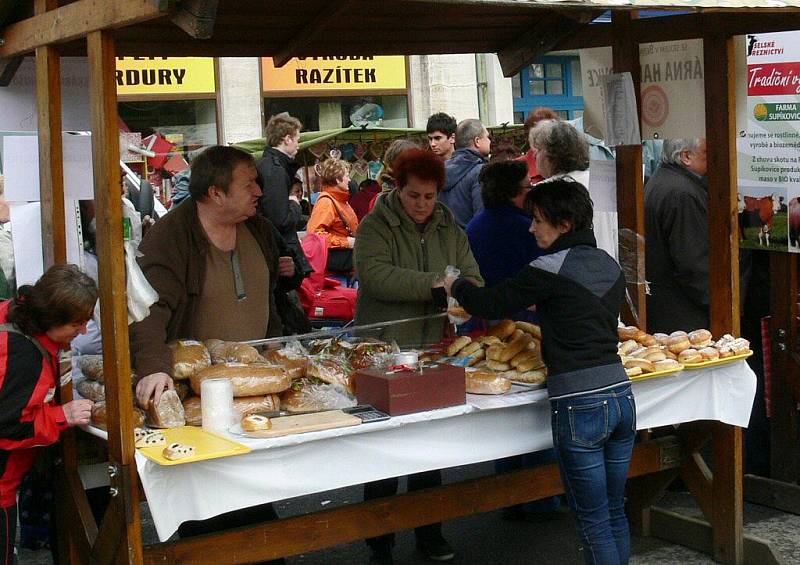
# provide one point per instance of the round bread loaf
(690, 356)
(485, 382)
(627, 332)
(231, 352)
(661, 339)
(709, 353)
(656, 356)
(678, 343)
(700, 338)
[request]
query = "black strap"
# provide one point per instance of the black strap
(341, 216)
(11, 328)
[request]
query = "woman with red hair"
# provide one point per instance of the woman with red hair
(402, 249)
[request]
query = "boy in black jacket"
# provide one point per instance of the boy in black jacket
(578, 291)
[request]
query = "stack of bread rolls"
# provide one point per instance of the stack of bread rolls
(643, 353)
(511, 350)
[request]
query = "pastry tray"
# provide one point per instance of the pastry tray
(716, 362)
(656, 374)
(206, 446)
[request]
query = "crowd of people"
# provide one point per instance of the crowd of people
(521, 229)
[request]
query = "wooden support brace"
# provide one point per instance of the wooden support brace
(76, 524)
(773, 494)
(8, 68)
(197, 18)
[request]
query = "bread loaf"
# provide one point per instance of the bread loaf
(498, 366)
(515, 347)
(484, 382)
(92, 367)
(295, 366)
(231, 352)
(168, 413)
(489, 340)
(709, 353)
(667, 364)
(700, 338)
(678, 343)
(532, 329)
(100, 416)
(503, 329)
(248, 380)
(627, 332)
(536, 376)
(477, 357)
(329, 369)
(460, 343)
(91, 390)
(189, 357)
(644, 364)
(690, 356)
(470, 349)
(493, 352)
(183, 389)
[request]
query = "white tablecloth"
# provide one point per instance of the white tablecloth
(486, 428)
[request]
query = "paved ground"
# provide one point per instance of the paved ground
(488, 539)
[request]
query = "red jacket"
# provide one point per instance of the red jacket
(325, 220)
(29, 417)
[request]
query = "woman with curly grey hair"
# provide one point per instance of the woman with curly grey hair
(562, 151)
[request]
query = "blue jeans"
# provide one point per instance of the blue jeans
(593, 436)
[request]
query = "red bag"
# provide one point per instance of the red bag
(324, 297)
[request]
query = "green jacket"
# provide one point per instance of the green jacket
(397, 265)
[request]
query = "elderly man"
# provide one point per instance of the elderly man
(462, 190)
(676, 216)
(216, 266)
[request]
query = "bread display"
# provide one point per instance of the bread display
(91, 367)
(244, 406)
(306, 395)
(189, 357)
(255, 422)
(175, 451)
(331, 370)
(485, 382)
(149, 438)
(91, 390)
(295, 365)
(248, 380)
(231, 352)
(168, 413)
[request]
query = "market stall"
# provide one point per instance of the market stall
(518, 31)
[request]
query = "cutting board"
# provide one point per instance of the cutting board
(302, 423)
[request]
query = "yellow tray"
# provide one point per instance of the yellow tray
(206, 446)
(716, 362)
(655, 374)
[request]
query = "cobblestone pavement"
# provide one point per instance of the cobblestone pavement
(488, 539)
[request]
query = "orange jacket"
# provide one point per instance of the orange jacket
(325, 219)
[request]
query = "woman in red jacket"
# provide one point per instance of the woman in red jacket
(42, 319)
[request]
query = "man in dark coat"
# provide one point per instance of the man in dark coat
(277, 169)
(462, 190)
(676, 216)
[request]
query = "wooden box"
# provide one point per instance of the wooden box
(404, 392)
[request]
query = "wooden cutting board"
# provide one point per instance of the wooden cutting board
(302, 423)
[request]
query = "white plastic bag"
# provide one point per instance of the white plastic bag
(140, 294)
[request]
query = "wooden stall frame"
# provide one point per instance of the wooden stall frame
(118, 538)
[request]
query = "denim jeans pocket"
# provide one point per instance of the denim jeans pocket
(632, 403)
(588, 423)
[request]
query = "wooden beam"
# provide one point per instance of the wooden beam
(74, 21)
(698, 477)
(197, 18)
(641, 493)
(630, 184)
(727, 495)
(316, 27)
(77, 529)
(113, 296)
(535, 42)
(301, 534)
(8, 68)
(774, 494)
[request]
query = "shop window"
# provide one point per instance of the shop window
(337, 112)
(552, 82)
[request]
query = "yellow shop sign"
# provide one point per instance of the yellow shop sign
(316, 74)
(165, 75)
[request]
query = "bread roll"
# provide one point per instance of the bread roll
(294, 365)
(460, 343)
(700, 338)
(231, 352)
(670, 355)
(639, 352)
(661, 339)
(168, 413)
(535, 345)
(679, 333)
(150, 438)
(175, 451)
(523, 357)
(536, 376)
(91, 390)
(532, 329)
(644, 364)
(643, 352)
(459, 312)
(633, 371)
(648, 340)
(477, 357)
(725, 351)
(667, 364)
(485, 382)
(709, 353)
(655, 356)
(488, 340)
(470, 349)
(690, 356)
(498, 366)
(189, 357)
(530, 364)
(99, 417)
(514, 335)
(248, 380)
(244, 406)
(494, 352)
(627, 347)
(503, 329)
(92, 367)
(678, 343)
(514, 347)
(255, 422)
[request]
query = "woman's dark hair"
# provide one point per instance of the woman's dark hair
(501, 181)
(63, 295)
(368, 183)
(562, 200)
(421, 164)
(214, 167)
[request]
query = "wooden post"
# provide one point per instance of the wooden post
(630, 184)
(719, 56)
(122, 522)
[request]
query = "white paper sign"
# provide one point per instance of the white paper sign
(622, 119)
(603, 185)
(595, 64)
(26, 231)
(21, 167)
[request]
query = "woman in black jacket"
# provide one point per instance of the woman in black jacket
(578, 291)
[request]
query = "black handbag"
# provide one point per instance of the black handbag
(340, 260)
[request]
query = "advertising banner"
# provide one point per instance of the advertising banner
(309, 75)
(165, 75)
(768, 145)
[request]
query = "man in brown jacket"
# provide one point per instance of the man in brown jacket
(216, 266)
